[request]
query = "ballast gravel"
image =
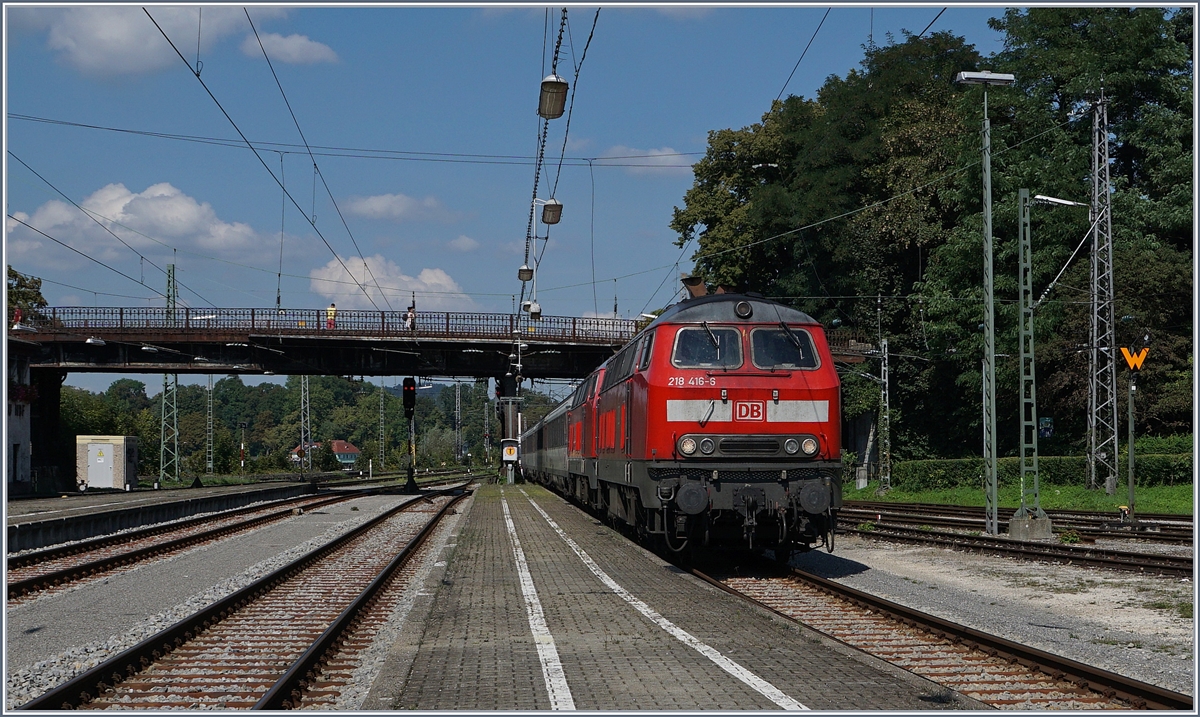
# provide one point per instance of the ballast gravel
(1140, 626)
(28, 682)
(372, 660)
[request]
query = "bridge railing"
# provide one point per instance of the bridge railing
(304, 322)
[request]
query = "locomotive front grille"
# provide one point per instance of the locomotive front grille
(749, 446)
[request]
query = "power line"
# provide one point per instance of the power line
(314, 159)
(802, 54)
(256, 154)
(93, 291)
(571, 106)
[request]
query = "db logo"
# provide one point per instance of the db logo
(749, 410)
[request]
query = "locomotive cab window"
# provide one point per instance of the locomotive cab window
(646, 348)
(707, 347)
(777, 348)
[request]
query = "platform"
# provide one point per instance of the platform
(40, 522)
(606, 625)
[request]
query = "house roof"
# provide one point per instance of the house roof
(344, 447)
(337, 446)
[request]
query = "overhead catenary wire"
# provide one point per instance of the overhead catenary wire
(257, 155)
(304, 139)
(571, 104)
(802, 54)
(935, 19)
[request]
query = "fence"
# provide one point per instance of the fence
(303, 322)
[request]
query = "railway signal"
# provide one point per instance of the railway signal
(1134, 361)
(410, 410)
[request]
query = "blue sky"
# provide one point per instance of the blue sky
(441, 81)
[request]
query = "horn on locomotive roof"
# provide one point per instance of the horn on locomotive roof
(722, 289)
(695, 286)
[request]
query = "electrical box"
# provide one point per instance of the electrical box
(106, 462)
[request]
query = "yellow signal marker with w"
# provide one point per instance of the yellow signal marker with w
(1135, 360)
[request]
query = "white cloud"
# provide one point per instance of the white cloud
(398, 207)
(161, 211)
(122, 40)
(463, 243)
(435, 289)
(657, 162)
(293, 49)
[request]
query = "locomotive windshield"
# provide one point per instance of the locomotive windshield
(707, 347)
(776, 348)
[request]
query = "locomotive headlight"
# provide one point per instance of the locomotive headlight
(791, 445)
(687, 446)
(707, 446)
(809, 446)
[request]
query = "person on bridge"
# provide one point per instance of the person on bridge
(331, 316)
(17, 316)
(410, 319)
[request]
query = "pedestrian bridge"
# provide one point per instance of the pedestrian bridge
(359, 343)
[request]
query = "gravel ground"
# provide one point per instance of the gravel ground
(1126, 623)
(372, 659)
(25, 683)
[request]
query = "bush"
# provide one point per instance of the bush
(1163, 445)
(1152, 469)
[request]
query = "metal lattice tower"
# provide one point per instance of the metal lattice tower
(1030, 501)
(458, 451)
(305, 428)
(1102, 377)
(992, 522)
(885, 423)
(208, 432)
(487, 432)
(990, 499)
(382, 433)
(168, 446)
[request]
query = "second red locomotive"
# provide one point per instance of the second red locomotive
(718, 424)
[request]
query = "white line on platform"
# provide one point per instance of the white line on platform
(556, 680)
(766, 689)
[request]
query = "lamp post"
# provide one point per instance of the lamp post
(986, 78)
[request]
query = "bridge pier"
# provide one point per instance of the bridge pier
(52, 460)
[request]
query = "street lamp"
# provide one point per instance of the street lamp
(525, 273)
(553, 100)
(551, 210)
(987, 78)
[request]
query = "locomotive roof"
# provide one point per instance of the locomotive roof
(720, 308)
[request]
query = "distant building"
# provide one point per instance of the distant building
(346, 453)
(20, 397)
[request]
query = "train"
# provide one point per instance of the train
(717, 426)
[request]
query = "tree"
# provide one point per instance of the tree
(872, 189)
(24, 293)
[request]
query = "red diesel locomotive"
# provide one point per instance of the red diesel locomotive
(718, 424)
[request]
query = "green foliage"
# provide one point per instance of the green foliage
(1052, 471)
(1068, 537)
(1175, 499)
(875, 191)
(24, 293)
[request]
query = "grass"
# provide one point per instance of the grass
(1174, 499)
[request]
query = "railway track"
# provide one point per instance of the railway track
(990, 669)
(1151, 527)
(59, 567)
(285, 641)
(1146, 563)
